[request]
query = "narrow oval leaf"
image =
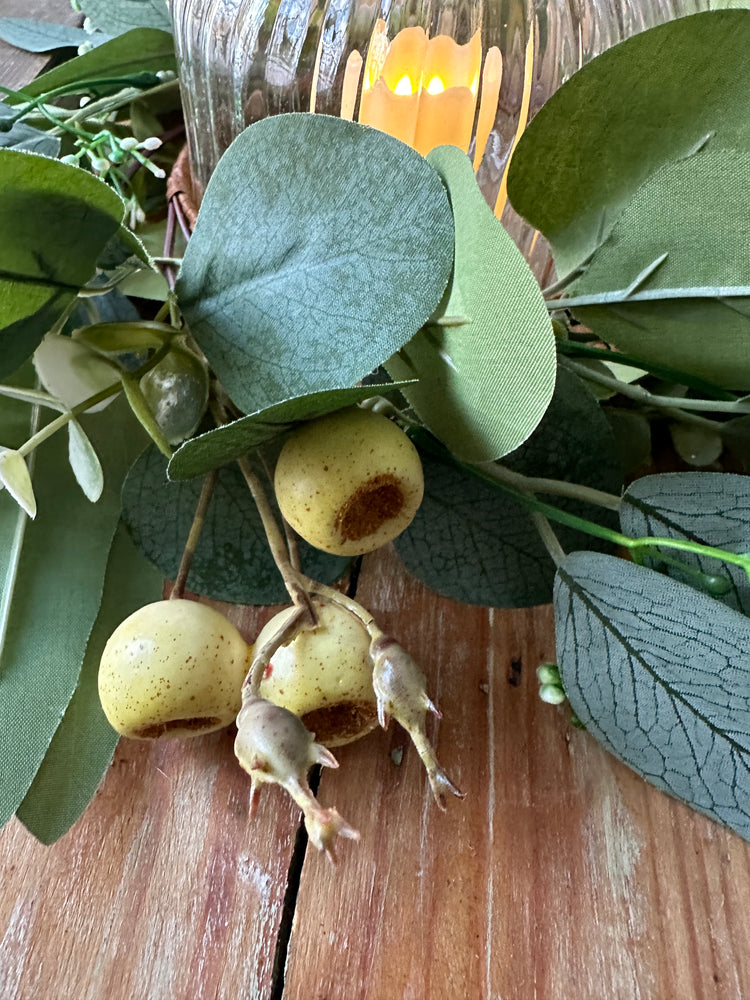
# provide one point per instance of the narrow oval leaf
(232, 561)
(660, 675)
(71, 372)
(589, 149)
(84, 462)
(117, 16)
(705, 507)
(84, 742)
(486, 370)
(321, 247)
(54, 219)
(14, 476)
(471, 541)
(42, 36)
(23, 137)
(224, 444)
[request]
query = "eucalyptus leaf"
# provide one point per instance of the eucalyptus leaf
(693, 216)
(589, 149)
(232, 561)
(84, 462)
(52, 586)
(471, 541)
(321, 246)
(224, 444)
(486, 369)
(15, 478)
(134, 58)
(24, 137)
(42, 36)
(705, 507)
(84, 742)
(117, 16)
(54, 219)
(660, 675)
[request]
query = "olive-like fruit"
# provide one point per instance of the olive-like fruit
(176, 391)
(173, 668)
(324, 675)
(349, 482)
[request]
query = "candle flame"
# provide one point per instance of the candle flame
(435, 86)
(403, 88)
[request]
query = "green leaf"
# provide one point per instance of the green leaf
(23, 137)
(473, 542)
(659, 674)
(705, 507)
(117, 16)
(42, 36)
(51, 592)
(15, 478)
(484, 383)
(138, 54)
(84, 742)
(54, 219)
(694, 216)
(232, 561)
(224, 444)
(321, 247)
(650, 100)
(84, 462)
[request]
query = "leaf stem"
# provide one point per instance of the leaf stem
(199, 518)
(558, 487)
(641, 395)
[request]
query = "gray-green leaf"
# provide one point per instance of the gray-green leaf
(43, 36)
(232, 561)
(117, 16)
(84, 462)
(25, 137)
(705, 507)
(320, 248)
(487, 371)
(660, 675)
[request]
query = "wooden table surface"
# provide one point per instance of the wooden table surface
(560, 876)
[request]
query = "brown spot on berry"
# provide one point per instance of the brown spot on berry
(371, 505)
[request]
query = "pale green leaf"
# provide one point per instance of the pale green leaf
(224, 444)
(709, 508)
(14, 476)
(84, 462)
(24, 137)
(659, 674)
(650, 100)
(485, 382)
(71, 372)
(116, 16)
(321, 247)
(84, 742)
(43, 36)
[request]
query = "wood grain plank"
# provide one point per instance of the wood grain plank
(164, 889)
(561, 874)
(16, 66)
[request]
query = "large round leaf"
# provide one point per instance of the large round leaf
(321, 247)
(487, 370)
(649, 100)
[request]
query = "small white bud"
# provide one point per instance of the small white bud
(151, 143)
(129, 143)
(552, 694)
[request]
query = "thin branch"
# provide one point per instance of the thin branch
(199, 518)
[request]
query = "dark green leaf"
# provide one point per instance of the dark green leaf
(320, 248)
(24, 137)
(84, 742)
(54, 219)
(224, 444)
(705, 507)
(52, 582)
(473, 542)
(485, 383)
(138, 54)
(232, 561)
(643, 103)
(43, 36)
(660, 675)
(117, 16)
(697, 213)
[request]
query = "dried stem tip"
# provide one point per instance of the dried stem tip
(399, 686)
(272, 745)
